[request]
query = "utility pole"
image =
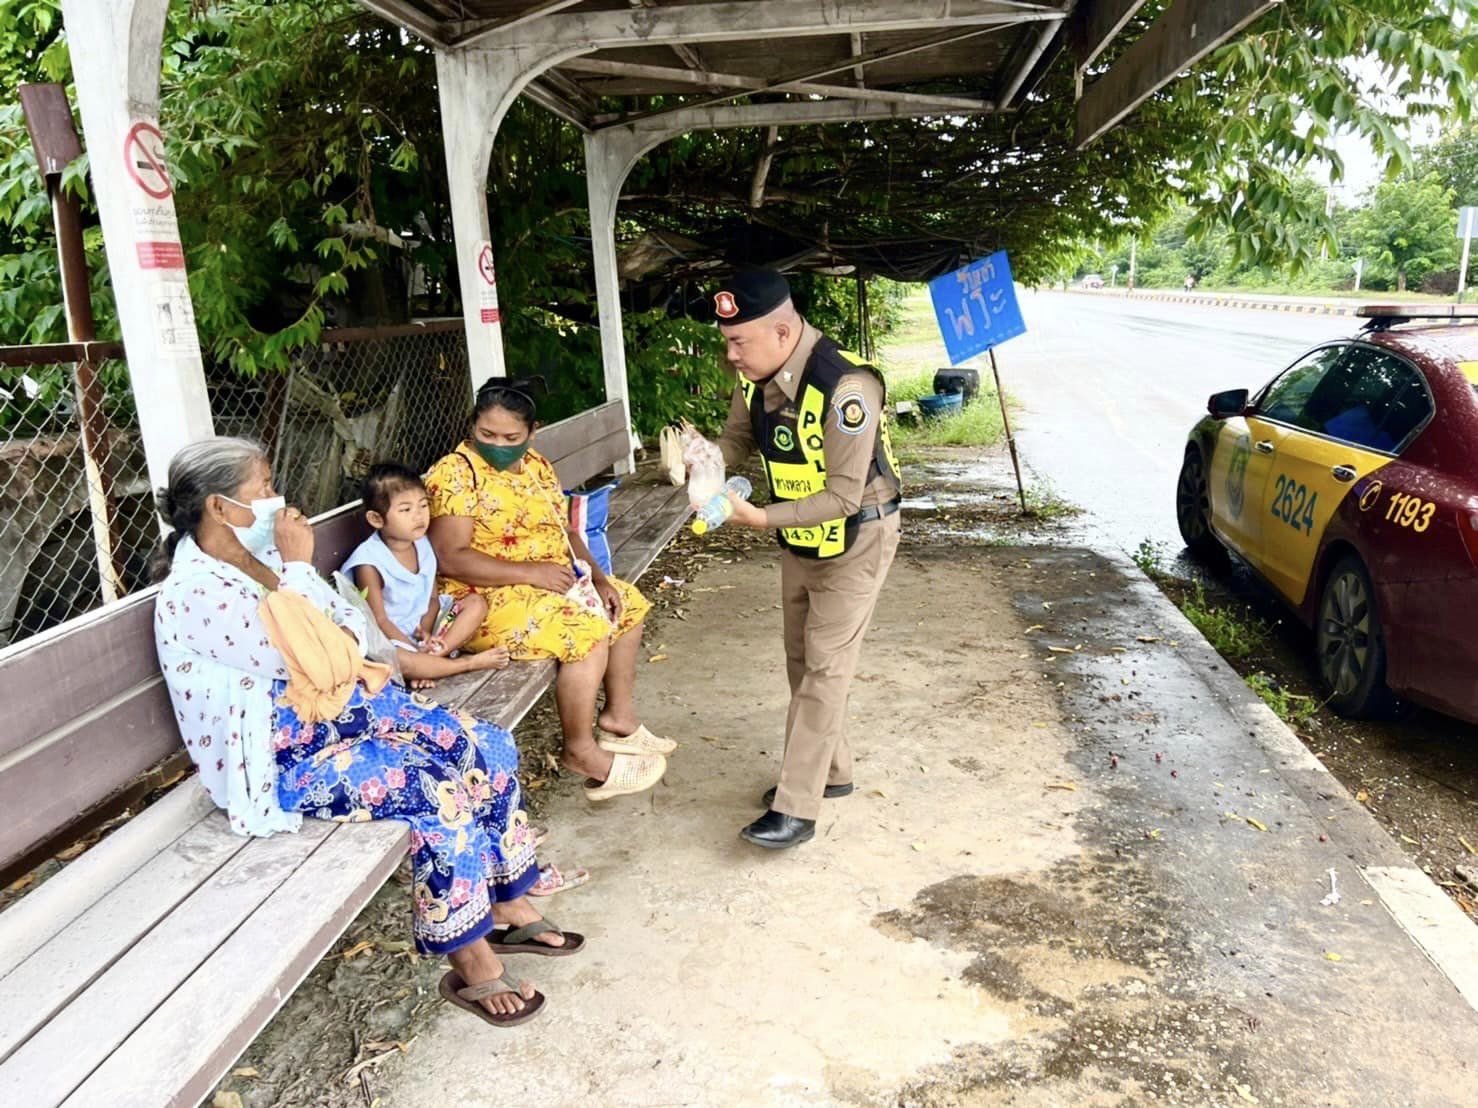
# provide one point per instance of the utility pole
(54, 138)
(1133, 262)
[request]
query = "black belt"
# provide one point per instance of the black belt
(879, 511)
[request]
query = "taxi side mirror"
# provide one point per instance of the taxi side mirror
(1224, 405)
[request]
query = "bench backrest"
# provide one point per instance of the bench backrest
(87, 709)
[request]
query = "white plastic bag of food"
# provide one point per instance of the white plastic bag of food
(705, 465)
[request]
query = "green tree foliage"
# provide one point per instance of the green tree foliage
(1409, 228)
(1454, 158)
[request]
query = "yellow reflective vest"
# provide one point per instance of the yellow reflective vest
(791, 443)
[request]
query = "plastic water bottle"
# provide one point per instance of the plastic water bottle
(712, 515)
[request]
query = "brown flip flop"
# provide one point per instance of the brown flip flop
(520, 940)
(456, 991)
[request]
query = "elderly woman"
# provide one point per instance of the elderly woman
(238, 573)
(500, 528)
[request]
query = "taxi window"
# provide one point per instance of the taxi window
(1371, 399)
(1285, 399)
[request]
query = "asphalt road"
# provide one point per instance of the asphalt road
(1109, 388)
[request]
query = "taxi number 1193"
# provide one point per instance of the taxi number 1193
(1294, 504)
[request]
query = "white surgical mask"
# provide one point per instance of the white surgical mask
(261, 535)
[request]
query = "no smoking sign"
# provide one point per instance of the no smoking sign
(487, 290)
(143, 157)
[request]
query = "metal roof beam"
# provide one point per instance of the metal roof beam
(469, 34)
(540, 93)
(706, 79)
(604, 30)
(1184, 33)
(1096, 25)
(407, 15)
(780, 83)
(1008, 93)
(857, 70)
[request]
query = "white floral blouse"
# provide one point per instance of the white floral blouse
(220, 666)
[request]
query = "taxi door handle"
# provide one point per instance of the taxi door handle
(1263, 447)
(1344, 473)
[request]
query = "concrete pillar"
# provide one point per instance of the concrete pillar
(477, 87)
(609, 157)
(115, 47)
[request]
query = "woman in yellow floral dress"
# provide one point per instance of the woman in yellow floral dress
(500, 528)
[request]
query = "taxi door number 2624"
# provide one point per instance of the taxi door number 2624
(1294, 504)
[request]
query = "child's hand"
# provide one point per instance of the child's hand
(434, 646)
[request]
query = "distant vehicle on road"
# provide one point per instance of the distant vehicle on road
(1349, 483)
(1092, 281)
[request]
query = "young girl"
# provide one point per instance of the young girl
(395, 568)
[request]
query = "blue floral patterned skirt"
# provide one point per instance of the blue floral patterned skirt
(399, 755)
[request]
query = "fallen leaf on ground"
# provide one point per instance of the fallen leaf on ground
(245, 1071)
(226, 1099)
(1148, 638)
(1245, 1092)
(1155, 834)
(1256, 823)
(918, 846)
(877, 793)
(1033, 627)
(1333, 957)
(1065, 786)
(1362, 796)
(1409, 840)
(357, 949)
(1059, 650)
(1467, 845)
(657, 658)
(394, 946)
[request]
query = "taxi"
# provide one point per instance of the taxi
(1349, 483)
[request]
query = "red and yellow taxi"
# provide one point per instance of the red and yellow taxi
(1350, 484)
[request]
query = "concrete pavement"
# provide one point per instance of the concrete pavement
(1084, 865)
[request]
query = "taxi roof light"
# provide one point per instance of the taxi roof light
(1383, 316)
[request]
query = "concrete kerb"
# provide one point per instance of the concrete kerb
(1419, 907)
(1218, 301)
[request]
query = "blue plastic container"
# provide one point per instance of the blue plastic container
(941, 405)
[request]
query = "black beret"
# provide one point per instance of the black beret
(749, 294)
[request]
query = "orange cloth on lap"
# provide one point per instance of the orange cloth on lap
(323, 661)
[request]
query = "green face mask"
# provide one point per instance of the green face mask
(501, 457)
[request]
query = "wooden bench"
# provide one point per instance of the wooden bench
(143, 969)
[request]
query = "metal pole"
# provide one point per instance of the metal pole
(1462, 269)
(1006, 423)
(54, 137)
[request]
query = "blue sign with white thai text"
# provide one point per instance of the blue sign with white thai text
(976, 307)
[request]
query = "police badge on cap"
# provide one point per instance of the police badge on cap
(750, 294)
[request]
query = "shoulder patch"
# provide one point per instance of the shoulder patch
(853, 416)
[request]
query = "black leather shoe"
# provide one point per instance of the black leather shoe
(776, 831)
(831, 793)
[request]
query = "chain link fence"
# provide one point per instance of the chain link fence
(362, 395)
(77, 522)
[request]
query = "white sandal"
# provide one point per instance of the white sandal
(640, 741)
(630, 773)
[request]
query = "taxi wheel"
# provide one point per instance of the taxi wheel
(1193, 507)
(1350, 645)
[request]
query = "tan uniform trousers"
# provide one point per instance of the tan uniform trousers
(828, 605)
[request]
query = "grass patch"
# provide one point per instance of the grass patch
(1235, 635)
(1293, 709)
(1150, 556)
(1043, 502)
(908, 356)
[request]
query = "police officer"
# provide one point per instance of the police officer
(815, 414)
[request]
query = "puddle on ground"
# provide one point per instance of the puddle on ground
(1081, 951)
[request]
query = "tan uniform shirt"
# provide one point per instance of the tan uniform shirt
(851, 482)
